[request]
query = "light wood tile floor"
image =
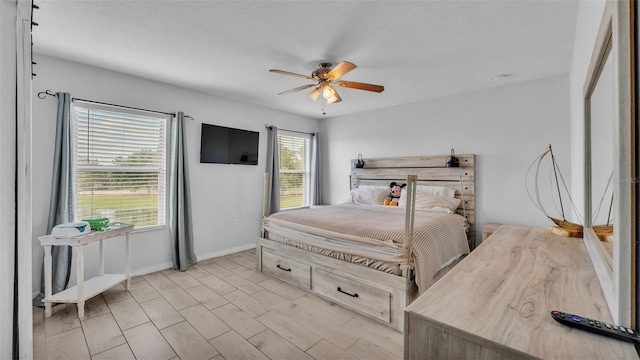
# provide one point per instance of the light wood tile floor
(218, 309)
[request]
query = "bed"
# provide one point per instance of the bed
(372, 258)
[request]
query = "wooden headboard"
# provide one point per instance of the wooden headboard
(430, 170)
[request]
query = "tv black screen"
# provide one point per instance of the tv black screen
(224, 145)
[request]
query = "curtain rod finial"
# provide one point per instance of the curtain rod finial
(43, 94)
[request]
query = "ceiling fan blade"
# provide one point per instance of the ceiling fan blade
(339, 70)
(292, 74)
(361, 86)
(297, 89)
(314, 94)
(335, 99)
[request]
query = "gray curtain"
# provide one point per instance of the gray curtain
(180, 226)
(316, 183)
(61, 203)
(273, 169)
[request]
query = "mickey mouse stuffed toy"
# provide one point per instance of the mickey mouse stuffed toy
(394, 197)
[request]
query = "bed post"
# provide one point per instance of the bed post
(265, 202)
(464, 208)
(408, 223)
(265, 213)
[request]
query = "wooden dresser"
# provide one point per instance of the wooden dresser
(496, 303)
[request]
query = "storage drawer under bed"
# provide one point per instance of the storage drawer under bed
(286, 269)
(356, 295)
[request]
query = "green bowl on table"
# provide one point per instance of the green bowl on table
(98, 224)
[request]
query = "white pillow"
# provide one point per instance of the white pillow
(436, 203)
(373, 187)
(369, 195)
(436, 190)
(428, 189)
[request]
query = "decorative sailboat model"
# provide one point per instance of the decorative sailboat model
(562, 226)
(605, 232)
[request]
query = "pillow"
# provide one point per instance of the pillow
(436, 190)
(441, 203)
(428, 189)
(369, 195)
(372, 187)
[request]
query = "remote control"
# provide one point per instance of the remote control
(595, 326)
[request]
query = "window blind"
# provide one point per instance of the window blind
(120, 166)
(294, 156)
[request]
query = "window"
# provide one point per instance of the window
(120, 165)
(295, 163)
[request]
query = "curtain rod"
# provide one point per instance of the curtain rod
(293, 131)
(43, 95)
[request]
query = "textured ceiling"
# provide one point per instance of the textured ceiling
(417, 49)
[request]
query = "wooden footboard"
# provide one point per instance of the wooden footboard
(378, 295)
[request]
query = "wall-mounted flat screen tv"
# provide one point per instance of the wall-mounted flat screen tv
(224, 145)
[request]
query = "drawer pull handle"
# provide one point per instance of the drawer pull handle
(344, 292)
(281, 268)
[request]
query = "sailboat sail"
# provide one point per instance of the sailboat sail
(605, 231)
(562, 225)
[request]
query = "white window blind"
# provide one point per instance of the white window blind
(295, 158)
(120, 165)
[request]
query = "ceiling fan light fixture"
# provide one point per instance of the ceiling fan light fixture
(334, 98)
(315, 93)
(328, 92)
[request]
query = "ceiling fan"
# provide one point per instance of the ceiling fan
(325, 78)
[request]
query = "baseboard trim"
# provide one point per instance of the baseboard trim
(216, 254)
(169, 265)
(151, 269)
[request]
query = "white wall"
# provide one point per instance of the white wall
(507, 127)
(589, 17)
(7, 171)
(220, 193)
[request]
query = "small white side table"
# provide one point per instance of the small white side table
(85, 289)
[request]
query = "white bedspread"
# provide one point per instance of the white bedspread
(439, 238)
